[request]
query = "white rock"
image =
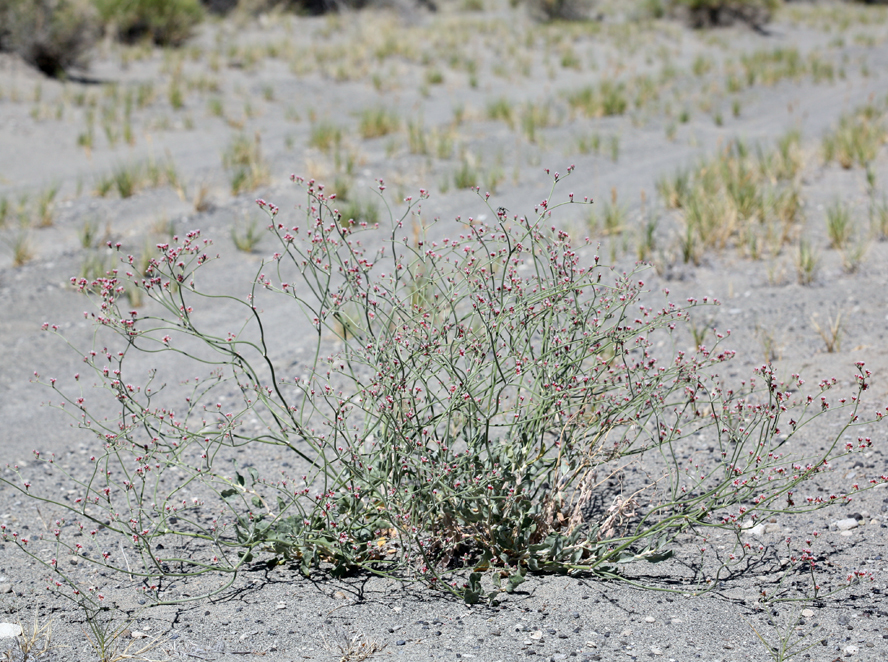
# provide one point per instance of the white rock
(650, 619)
(807, 613)
(758, 530)
(846, 524)
(138, 635)
(846, 533)
(8, 630)
(537, 635)
(850, 650)
(656, 651)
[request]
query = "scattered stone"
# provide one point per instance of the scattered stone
(135, 634)
(400, 642)
(559, 656)
(676, 621)
(729, 646)
(807, 613)
(846, 524)
(650, 619)
(281, 605)
(626, 633)
(5, 588)
(851, 650)
(537, 635)
(843, 619)
(656, 650)
(8, 630)
(758, 530)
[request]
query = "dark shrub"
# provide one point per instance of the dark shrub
(52, 35)
(560, 10)
(710, 13)
(165, 22)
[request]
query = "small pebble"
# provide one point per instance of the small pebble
(400, 642)
(846, 524)
(656, 651)
(650, 619)
(807, 613)
(5, 588)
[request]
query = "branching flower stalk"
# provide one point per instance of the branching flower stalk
(463, 394)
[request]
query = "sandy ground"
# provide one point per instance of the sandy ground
(276, 80)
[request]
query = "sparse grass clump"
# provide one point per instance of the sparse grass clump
(246, 238)
(839, 226)
(245, 164)
(807, 262)
(500, 110)
(606, 99)
(533, 117)
(736, 198)
(769, 67)
(830, 333)
(45, 212)
(127, 179)
(378, 122)
(857, 138)
(325, 136)
(466, 175)
(20, 246)
(358, 211)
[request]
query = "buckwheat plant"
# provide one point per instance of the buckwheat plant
(467, 397)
